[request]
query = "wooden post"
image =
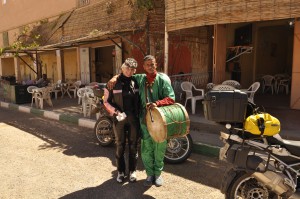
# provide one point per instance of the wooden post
(17, 69)
(59, 65)
(118, 59)
(1, 67)
(295, 92)
(219, 53)
(166, 58)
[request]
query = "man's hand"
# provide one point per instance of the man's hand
(112, 82)
(150, 106)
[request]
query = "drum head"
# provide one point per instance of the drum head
(157, 128)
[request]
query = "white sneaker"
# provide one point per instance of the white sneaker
(159, 181)
(120, 177)
(132, 176)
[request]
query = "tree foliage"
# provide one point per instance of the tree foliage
(24, 41)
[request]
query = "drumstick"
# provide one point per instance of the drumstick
(150, 111)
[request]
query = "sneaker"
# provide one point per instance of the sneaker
(120, 177)
(148, 182)
(159, 181)
(132, 176)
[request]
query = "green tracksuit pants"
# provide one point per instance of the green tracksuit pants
(152, 153)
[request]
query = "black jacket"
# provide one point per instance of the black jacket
(124, 97)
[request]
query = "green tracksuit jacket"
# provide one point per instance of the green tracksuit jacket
(152, 153)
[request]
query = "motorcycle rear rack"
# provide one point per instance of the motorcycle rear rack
(269, 150)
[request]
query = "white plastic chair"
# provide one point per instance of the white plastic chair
(80, 94)
(268, 82)
(30, 90)
(47, 96)
(57, 88)
(43, 94)
(93, 83)
(233, 83)
(285, 84)
(251, 91)
(74, 88)
(277, 78)
(223, 87)
(87, 97)
(209, 86)
(187, 87)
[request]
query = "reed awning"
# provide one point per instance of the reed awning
(190, 13)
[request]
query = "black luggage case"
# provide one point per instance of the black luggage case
(225, 106)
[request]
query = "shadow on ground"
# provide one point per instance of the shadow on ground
(200, 169)
(125, 190)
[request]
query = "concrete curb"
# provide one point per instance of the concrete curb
(206, 149)
(198, 147)
(83, 122)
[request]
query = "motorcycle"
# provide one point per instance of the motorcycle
(259, 166)
(178, 149)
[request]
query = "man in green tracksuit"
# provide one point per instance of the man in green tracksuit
(155, 87)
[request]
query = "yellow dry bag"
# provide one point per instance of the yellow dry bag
(262, 124)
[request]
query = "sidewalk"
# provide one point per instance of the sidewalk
(205, 134)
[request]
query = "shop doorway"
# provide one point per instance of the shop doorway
(104, 63)
(274, 51)
(257, 49)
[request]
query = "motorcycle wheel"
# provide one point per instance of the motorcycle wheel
(178, 149)
(104, 131)
(244, 186)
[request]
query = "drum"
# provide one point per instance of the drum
(168, 122)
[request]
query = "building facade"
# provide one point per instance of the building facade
(87, 40)
(250, 38)
(83, 40)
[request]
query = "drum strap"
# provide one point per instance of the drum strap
(147, 99)
(146, 92)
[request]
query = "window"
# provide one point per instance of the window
(81, 3)
(5, 39)
(3, 2)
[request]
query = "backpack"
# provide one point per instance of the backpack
(262, 124)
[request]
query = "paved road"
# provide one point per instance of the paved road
(42, 158)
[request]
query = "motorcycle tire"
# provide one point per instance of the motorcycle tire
(247, 187)
(178, 149)
(104, 131)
